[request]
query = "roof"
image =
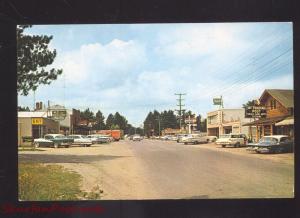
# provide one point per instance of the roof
(284, 96)
(32, 114)
(265, 121)
(287, 121)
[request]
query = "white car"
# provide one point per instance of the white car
(194, 139)
(136, 138)
(235, 140)
(99, 139)
(81, 140)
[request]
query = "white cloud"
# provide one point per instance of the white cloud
(191, 40)
(98, 63)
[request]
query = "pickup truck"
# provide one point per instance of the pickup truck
(54, 140)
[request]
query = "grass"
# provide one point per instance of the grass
(47, 182)
(39, 182)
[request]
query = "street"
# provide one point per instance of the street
(154, 169)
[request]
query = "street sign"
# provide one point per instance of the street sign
(37, 121)
(217, 101)
(255, 112)
(59, 114)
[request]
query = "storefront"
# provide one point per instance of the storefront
(35, 125)
(279, 118)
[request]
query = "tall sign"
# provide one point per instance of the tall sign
(218, 101)
(255, 112)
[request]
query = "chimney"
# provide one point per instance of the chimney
(37, 104)
(41, 105)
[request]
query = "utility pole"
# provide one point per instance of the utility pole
(180, 105)
(158, 118)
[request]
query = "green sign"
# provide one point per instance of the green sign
(217, 101)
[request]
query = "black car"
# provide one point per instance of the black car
(272, 144)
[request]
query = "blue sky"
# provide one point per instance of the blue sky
(136, 68)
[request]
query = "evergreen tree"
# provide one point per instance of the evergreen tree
(109, 121)
(33, 57)
(198, 122)
(23, 108)
(87, 114)
(100, 124)
(120, 121)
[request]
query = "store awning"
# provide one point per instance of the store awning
(287, 121)
(265, 121)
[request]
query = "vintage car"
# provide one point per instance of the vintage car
(99, 139)
(81, 140)
(272, 144)
(194, 139)
(180, 136)
(136, 137)
(236, 140)
(54, 140)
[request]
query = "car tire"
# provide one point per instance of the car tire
(67, 146)
(237, 145)
(185, 143)
(223, 146)
(55, 145)
(36, 144)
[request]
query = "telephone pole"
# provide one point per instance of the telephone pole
(180, 105)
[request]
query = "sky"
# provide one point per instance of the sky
(137, 68)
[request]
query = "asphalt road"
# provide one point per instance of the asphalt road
(152, 169)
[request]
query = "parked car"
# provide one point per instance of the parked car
(212, 138)
(99, 139)
(136, 138)
(180, 136)
(81, 140)
(194, 139)
(236, 140)
(272, 144)
(54, 140)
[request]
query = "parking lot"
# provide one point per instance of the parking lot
(155, 169)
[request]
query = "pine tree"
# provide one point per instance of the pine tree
(33, 56)
(109, 121)
(100, 124)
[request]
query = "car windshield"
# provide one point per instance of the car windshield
(268, 140)
(59, 136)
(225, 136)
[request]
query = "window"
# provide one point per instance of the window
(273, 104)
(48, 137)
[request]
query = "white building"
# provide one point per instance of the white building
(225, 121)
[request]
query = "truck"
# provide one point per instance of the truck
(117, 134)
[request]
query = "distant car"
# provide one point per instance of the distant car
(236, 140)
(54, 140)
(194, 139)
(272, 144)
(212, 138)
(81, 140)
(180, 136)
(136, 138)
(99, 139)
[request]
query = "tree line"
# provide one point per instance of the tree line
(156, 121)
(113, 121)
